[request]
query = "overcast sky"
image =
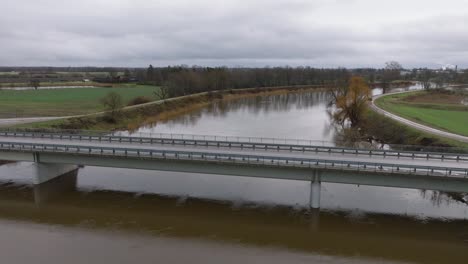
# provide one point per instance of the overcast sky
(318, 33)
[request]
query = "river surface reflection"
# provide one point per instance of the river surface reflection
(301, 116)
(297, 115)
(355, 222)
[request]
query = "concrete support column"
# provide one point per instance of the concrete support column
(55, 188)
(314, 220)
(45, 172)
(315, 186)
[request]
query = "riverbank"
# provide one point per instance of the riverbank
(394, 84)
(438, 109)
(389, 131)
(133, 117)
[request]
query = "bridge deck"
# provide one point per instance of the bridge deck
(291, 156)
(338, 157)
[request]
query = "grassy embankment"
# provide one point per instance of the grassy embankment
(135, 116)
(64, 102)
(436, 109)
(394, 132)
(390, 131)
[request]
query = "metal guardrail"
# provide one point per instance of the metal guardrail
(235, 159)
(237, 139)
(223, 142)
(13, 132)
(284, 141)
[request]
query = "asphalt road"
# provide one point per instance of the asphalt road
(414, 124)
(5, 122)
(258, 152)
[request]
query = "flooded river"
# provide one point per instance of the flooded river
(120, 215)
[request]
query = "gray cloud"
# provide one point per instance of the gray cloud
(320, 33)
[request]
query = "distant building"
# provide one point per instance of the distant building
(448, 67)
(405, 72)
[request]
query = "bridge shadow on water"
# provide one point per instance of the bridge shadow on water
(340, 233)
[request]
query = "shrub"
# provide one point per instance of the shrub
(77, 123)
(214, 95)
(139, 100)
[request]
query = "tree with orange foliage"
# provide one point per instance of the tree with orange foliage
(351, 101)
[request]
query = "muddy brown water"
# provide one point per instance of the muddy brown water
(117, 216)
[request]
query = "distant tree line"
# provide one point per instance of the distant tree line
(183, 80)
(44, 70)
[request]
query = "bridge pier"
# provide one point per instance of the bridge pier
(314, 220)
(51, 179)
(45, 172)
(55, 188)
(315, 186)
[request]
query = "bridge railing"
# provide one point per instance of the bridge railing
(263, 160)
(238, 139)
(47, 132)
(221, 142)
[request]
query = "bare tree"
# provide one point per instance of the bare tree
(113, 103)
(150, 74)
(393, 65)
(162, 92)
(351, 103)
(391, 73)
(127, 74)
(425, 79)
(34, 83)
(441, 80)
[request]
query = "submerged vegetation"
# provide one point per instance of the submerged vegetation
(351, 101)
(376, 131)
(388, 131)
(356, 125)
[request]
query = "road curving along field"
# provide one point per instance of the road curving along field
(442, 119)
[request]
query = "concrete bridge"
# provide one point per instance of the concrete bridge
(58, 153)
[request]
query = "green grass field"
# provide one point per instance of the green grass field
(62, 102)
(452, 119)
